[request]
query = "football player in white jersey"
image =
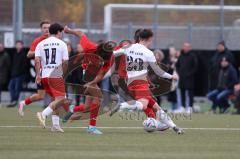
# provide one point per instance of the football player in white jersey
(139, 58)
(51, 55)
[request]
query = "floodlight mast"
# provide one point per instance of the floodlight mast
(108, 10)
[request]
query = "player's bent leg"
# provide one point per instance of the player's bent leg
(94, 109)
(148, 110)
(137, 105)
(35, 97)
(56, 123)
(49, 110)
(164, 118)
(77, 108)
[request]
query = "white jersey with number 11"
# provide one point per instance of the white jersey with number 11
(52, 52)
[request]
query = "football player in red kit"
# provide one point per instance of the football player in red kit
(93, 92)
(31, 53)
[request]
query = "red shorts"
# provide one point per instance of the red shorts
(55, 87)
(140, 89)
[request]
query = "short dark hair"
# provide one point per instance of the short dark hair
(105, 50)
(222, 43)
(44, 22)
(145, 34)
(19, 41)
(55, 28)
(136, 35)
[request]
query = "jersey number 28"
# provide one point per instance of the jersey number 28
(134, 65)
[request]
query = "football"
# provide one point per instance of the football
(150, 124)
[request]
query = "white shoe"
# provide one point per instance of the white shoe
(41, 119)
(20, 108)
(57, 128)
(179, 110)
(188, 110)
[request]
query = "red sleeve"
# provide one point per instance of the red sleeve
(122, 72)
(34, 45)
(36, 42)
(87, 45)
(107, 65)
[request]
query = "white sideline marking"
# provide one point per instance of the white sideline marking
(218, 129)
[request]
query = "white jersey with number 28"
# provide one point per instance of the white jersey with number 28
(138, 59)
(52, 52)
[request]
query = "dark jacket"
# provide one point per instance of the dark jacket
(4, 67)
(75, 71)
(227, 78)
(19, 64)
(187, 66)
(214, 66)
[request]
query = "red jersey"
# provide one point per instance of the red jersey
(121, 62)
(36, 42)
(87, 45)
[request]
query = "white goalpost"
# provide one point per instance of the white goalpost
(110, 9)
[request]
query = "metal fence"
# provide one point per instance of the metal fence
(203, 30)
(201, 38)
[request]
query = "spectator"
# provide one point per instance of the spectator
(227, 78)
(72, 76)
(222, 51)
(18, 72)
(159, 58)
(187, 65)
(4, 67)
(174, 96)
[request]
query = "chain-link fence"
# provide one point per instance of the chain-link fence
(171, 27)
(201, 38)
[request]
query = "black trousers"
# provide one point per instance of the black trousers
(186, 97)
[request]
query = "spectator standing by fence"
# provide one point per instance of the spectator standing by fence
(4, 67)
(187, 65)
(18, 73)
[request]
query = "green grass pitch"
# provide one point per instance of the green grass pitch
(119, 143)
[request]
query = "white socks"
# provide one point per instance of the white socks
(46, 112)
(23, 103)
(55, 120)
(136, 106)
(164, 118)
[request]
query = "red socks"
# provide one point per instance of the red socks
(150, 113)
(94, 108)
(79, 108)
(28, 101)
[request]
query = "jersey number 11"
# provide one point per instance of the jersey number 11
(53, 57)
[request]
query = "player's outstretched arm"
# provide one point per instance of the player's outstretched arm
(72, 31)
(162, 73)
